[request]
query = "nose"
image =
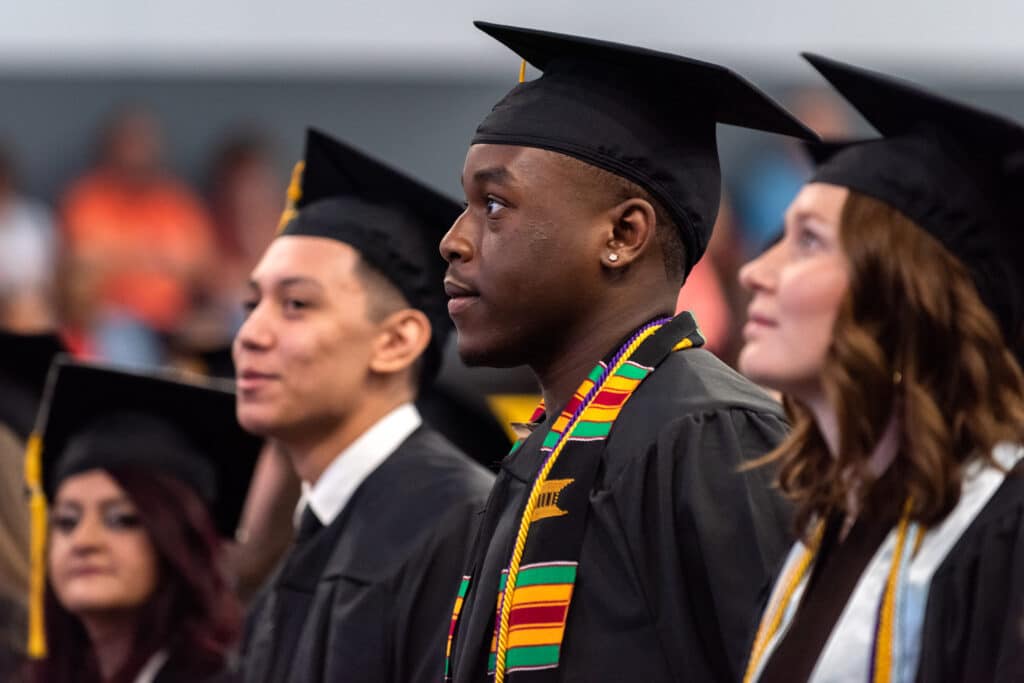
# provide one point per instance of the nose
(256, 333)
(456, 245)
(88, 535)
(758, 275)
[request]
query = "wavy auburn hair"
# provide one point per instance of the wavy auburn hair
(912, 339)
(193, 612)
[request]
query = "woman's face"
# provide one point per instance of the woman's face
(797, 287)
(100, 557)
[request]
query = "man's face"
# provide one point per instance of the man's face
(303, 354)
(523, 257)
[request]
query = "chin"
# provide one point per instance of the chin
(257, 419)
(480, 353)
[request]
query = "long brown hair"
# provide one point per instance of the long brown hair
(912, 340)
(193, 613)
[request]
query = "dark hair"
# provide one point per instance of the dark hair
(614, 189)
(912, 338)
(383, 297)
(193, 610)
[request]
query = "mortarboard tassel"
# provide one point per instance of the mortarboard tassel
(37, 549)
(294, 195)
(522, 72)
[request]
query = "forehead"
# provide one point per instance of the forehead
(513, 165)
(89, 485)
(822, 200)
(319, 259)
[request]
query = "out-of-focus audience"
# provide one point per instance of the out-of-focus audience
(138, 245)
(28, 256)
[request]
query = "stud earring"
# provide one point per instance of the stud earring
(613, 257)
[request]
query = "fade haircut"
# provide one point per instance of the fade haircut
(599, 184)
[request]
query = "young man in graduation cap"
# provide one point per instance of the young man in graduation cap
(346, 323)
(621, 541)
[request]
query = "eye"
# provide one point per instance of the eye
(249, 306)
(64, 522)
(492, 206)
(121, 520)
(295, 305)
(807, 239)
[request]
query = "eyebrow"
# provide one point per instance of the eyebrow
(495, 174)
(286, 282)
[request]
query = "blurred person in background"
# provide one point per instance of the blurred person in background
(28, 257)
(138, 245)
(144, 474)
(245, 199)
(888, 315)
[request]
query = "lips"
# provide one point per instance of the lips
(79, 572)
(756, 322)
(249, 379)
(461, 296)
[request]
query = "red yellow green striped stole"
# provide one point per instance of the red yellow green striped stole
(535, 589)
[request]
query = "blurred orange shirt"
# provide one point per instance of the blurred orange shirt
(147, 240)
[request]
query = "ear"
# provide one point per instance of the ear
(402, 338)
(631, 233)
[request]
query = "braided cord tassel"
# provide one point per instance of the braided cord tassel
(531, 502)
(770, 624)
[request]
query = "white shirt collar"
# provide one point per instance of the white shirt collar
(332, 491)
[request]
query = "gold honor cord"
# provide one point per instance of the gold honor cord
(531, 505)
(882, 664)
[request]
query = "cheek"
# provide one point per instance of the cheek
(137, 567)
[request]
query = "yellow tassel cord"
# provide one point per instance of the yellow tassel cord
(773, 619)
(293, 197)
(37, 549)
(524, 524)
(522, 72)
(883, 638)
(886, 623)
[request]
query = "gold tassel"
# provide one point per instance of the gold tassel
(294, 195)
(37, 549)
(522, 72)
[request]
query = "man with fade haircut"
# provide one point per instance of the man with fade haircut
(346, 323)
(623, 539)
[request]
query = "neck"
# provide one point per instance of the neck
(563, 370)
(312, 453)
(112, 637)
(882, 455)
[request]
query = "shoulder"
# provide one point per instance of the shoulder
(427, 462)
(695, 381)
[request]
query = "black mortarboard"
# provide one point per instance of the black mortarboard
(24, 362)
(394, 222)
(647, 116)
(953, 169)
(99, 417)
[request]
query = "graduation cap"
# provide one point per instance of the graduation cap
(394, 221)
(953, 169)
(24, 362)
(647, 116)
(99, 417)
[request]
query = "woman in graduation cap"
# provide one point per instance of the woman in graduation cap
(887, 315)
(142, 474)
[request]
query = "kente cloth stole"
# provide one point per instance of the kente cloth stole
(530, 619)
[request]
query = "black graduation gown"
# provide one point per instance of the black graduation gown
(374, 607)
(974, 622)
(678, 544)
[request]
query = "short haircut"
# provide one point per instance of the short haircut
(383, 298)
(607, 187)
